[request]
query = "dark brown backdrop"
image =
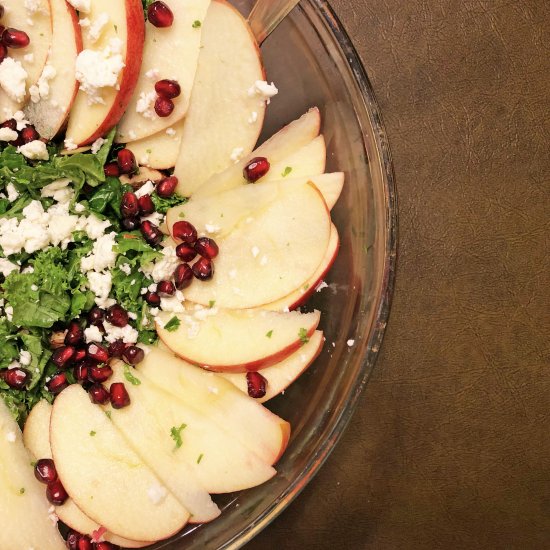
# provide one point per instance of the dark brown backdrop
(450, 446)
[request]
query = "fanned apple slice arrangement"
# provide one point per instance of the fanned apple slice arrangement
(188, 421)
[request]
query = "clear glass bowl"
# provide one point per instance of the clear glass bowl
(312, 61)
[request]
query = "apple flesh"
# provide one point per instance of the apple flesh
(222, 117)
(90, 122)
(106, 479)
(270, 253)
(283, 144)
(281, 375)
(36, 437)
(173, 52)
(224, 340)
(33, 57)
(198, 451)
(49, 114)
(248, 422)
(23, 504)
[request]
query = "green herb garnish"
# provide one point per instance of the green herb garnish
(197, 24)
(173, 324)
(130, 377)
(175, 434)
(302, 334)
(200, 458)
(269, 334)
(286, 171)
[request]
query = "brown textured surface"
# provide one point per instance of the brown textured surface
(450, 447)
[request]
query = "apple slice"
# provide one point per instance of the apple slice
(23, 504)
(301, 295)
(160, 150)
(126, 26)
(32, 58)
(49, 114)
(226, 340)
(310, 160)
(280, 146)
(269, 254)
(248, 422)
(223, 120)
(105, 477)
(281, 375)
(169, 53)
(181, 445)
(36, 437)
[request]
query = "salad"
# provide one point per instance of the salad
(152, 267)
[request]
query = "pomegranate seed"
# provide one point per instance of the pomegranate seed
(104, 545)
(57, 383)
(164, 107)
(133, 355)
(257, 168)
(72, 540)
(3, 52)
(168, 88)
(13, 38)
(85, 543)
(129, 206)
(95, 315)
(126, 161)
(80, 371)
(130, 223)
(44, 470)
(10, 123)
(112, 170)
(63, 356)
(160, 15)
(203, 269)
(29, 134)
(100, 374)
(256, 384)
(146, 205)
(166, 287)
(15, 378)
(98, 394)
(184, 231)
(74, 334)
(116, 349)
(152, 298)
(55, 493)
(185, 252)
(183, 276)
(151, 233)
(79, 355)
(119, 396)
(117, 316)
(207, 248)
(167, 186)
(98, 353)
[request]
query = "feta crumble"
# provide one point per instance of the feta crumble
(12, 192)
(6, 134)
(252, 119)
(350, 343)
(13, 79)
(34, 150)
(82, 6)
(96, 28)
(164, 268)
(92, 334)
(41, 90)
(97, 145)
(146, 189)
(145, 103)
(237, 154)
(263, 89)
(70, 145)
(171, 132)
(6, 267)
(156, 494)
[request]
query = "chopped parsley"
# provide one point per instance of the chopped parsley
(130, 377)
(173, 324)
(108, 414)
(92, 433)
(286, 171)
(175, 434)
(200, 458)
(211, 303)
(269, 334)
(22, 491)
(197, 24)
(302, 334)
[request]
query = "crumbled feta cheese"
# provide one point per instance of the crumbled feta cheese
(6, 134)
(204, 313)
(211, 228)
(253, 117)
(95, 227)
(96, 28)
(13, 79)
(146, 189)
(262, 88)
(156, 218)
(8, 310)
(58, 190)
(19, 117)
(25, 358)
(171, 132)
(171, 304)
(6, 267)
(35, 6)
(78, 208)
(12, 192)
(97, 145)
(70, 145)
(82, 6)
(28, 58)
(11, 437)
(237, 154)
(157, 493)
(85, 22)
(41, 90)
(132, 134)
(152, 287)
(100, 285)
(153, 74)
(127, 334)
(34, 150)
(102, 255)
(350, 343)
(125, 268)
(145, 103)
(92, 334)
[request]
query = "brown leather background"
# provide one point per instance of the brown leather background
(450, 447)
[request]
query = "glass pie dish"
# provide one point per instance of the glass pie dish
(312, 62)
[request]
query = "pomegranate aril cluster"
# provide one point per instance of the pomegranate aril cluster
(78, 541)
(11, 38)
(45, 472)
(26, 135)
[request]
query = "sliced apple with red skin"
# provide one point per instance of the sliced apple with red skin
(281, 375)
(160, 150)
(310, 160)
(269, 254)
(173, 53)
(181, 445)
(283, 144)
(106, 479)
(300, 296)
(49, 114)
(36, 437)
(248, 422)
(228, 340)
(34, 56)
(89, 122)
(23, 504)
(220, 119)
